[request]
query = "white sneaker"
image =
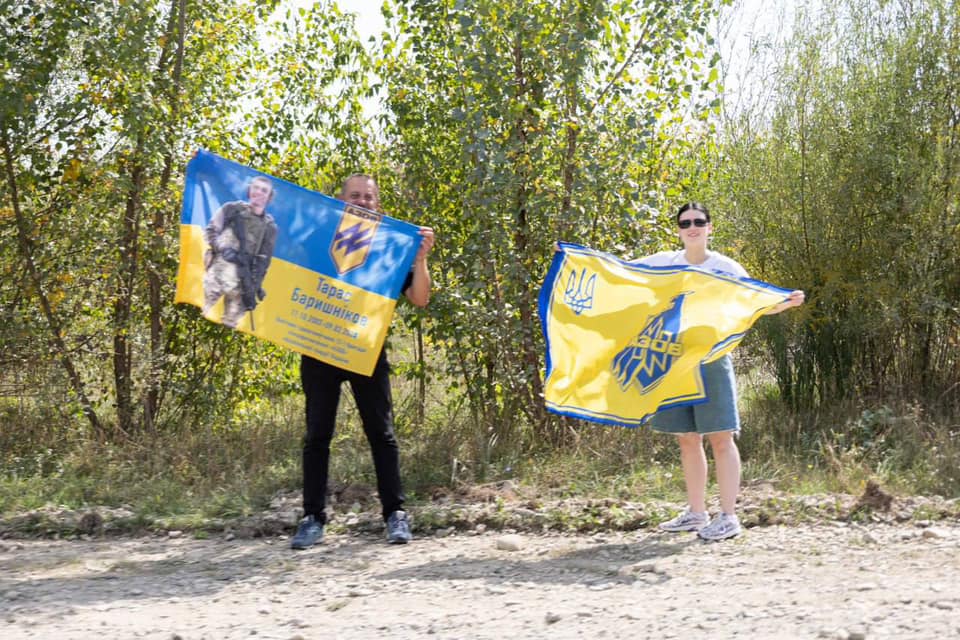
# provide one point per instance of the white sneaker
(686, 521)
(722, 526)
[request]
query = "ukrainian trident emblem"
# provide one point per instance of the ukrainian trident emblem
(351, 243)
(647, 359)
(579, 291)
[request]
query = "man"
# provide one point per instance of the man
(242, 236)
(321, 385)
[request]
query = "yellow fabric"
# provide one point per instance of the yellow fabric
(333, 277)
(343, 325)
(624, 340)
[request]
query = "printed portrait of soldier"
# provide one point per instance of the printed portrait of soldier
(242, 236)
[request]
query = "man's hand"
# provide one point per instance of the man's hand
(425, 244)
(419, 290)
(231, 255)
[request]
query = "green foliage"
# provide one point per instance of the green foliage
(510, 126)
(105, 103)
(838, 448)
(850, 190)
(505, 126)
(222, 472)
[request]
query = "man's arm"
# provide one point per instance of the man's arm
(261, 259)
(213, 229)
(419, 290)
(218, 224)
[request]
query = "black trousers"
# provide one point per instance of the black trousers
(321, 384)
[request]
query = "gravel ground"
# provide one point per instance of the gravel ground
(813, 580)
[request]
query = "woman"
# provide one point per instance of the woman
(717, 419)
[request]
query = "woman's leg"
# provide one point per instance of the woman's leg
(694, 462)
(727, 458)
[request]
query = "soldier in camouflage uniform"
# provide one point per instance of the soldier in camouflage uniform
(242, 236)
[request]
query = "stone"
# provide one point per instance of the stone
(511, 542)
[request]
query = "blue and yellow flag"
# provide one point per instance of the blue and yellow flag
(625, 340)
(307, 272)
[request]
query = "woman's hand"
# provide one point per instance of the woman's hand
(795, 299)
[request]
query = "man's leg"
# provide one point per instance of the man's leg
(321, 386)
(233, 309)
(375, 404)
(211, 290)
(219, 279)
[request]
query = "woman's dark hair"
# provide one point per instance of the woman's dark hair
(695, 206)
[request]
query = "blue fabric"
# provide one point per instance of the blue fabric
(718, 413)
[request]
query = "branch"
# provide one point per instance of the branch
(616, 76)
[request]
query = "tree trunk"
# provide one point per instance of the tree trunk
(53, 323)
(127, 257)
(529, 358)
(569, 162)
(158, 228)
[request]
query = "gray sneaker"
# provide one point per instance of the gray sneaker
(309, 533)
(398, 528)
(686, 521)
(722, 526)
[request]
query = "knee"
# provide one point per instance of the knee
(384, 439)
(690, 442)
(317, 440)
(722, 444)
(381, 436)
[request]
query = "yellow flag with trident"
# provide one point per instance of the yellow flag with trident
(625, 340)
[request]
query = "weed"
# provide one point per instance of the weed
(216, 472)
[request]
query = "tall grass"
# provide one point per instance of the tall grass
(218, 471)
(838, 447)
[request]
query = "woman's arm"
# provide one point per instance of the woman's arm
(795, 299)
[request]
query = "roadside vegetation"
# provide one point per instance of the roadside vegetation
(504, 126)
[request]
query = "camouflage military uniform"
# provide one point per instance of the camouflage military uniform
(241, 246)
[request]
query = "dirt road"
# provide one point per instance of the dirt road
(829, 580)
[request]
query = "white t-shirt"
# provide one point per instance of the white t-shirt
(715, 262)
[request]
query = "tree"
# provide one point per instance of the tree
(849, 189)
(510, 126)
(105, 103)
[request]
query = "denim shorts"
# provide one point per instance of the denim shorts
(719, 413)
